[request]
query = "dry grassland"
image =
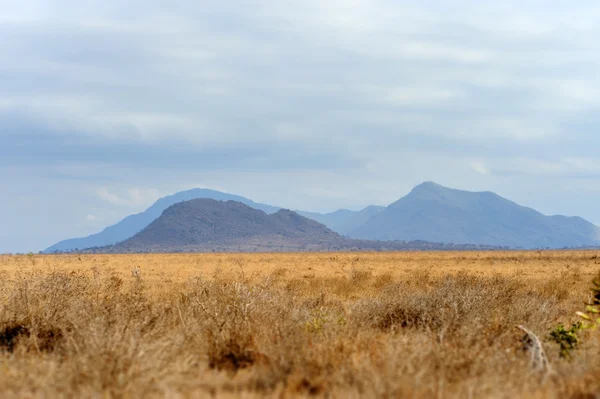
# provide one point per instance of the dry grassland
(423, 325)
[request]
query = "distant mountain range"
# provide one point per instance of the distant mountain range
(436, 213)
(207, 225)
(133, 224)
(344, 221)
(430, 212)
(341, 221)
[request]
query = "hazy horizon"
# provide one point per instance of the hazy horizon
(316, 105)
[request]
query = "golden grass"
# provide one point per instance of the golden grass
(343, 325)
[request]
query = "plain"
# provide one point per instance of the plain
(413, 324)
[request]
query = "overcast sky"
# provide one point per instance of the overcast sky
(106, 106)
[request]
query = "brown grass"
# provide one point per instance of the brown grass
(344, 325)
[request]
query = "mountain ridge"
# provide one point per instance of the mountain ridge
(207, 225)
(344, 221)
(206, 222)
(429, 212)
(132, 224)
(436, 213)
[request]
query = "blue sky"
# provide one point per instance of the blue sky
(314, 105)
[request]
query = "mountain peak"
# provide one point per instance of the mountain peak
(435, 213)
(430, 212)
(429, 190)
(206, 224)
(133, 224)
(429, 186)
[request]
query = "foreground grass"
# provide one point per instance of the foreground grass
(99, 332)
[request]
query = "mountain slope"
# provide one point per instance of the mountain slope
(131, 225)
(434, 213)
(344, 221)
(207, 224)
(430, 213)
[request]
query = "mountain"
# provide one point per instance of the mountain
(131, 225)
(207, 224)
(344, 221)
(435, 213)
(430, 213)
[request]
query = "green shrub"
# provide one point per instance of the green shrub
(567, 339)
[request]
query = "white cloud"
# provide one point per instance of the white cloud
(219, 75)
(353, 101)
(479, 167)
(132, 197)
(92, 218)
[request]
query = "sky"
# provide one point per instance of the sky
(105, 106)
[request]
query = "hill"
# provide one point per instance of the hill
(435, 213)
(133, 224)
(341, 221)
(429, 215)
(206, 225)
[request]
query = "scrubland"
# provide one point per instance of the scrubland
(422, 325)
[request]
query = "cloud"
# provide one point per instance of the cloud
(133, 197)
(92, 218)
(479, 167)
(315, 104)
(219, 77)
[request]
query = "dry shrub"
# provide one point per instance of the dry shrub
(226, 313)
(359, 276)
(451, 304)
(555, 288)
(383, 280)
(356, 335)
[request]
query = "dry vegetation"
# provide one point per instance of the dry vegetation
(344, 325)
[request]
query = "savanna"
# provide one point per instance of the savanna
(422, 325)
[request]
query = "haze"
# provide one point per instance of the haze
(313, 105)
